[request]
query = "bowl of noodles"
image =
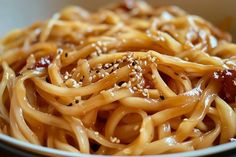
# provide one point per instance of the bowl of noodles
(122, 78)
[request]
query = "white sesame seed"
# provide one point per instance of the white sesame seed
(136, 127)
(124, 84)
(133, 79)
(99, 66)
(90, 78)
(77, 85)
(106, 66)
(99, 43)
(133, 73)
(116, 65)
(140, 74)
(66, 77)
(73, 70)
(139, 86)
(119, 60)
(127, 151)
(116, 86)
(93, 44)
(104, 49)
(144, 94)
(153, 59)
(139, 68)
(77, 75)
(114, 140)
(186, 58)
(130, 54)
(129, 84)
(145, 90)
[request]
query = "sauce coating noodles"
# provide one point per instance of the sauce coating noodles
(128, 79)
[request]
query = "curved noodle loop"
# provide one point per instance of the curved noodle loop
(129, 79)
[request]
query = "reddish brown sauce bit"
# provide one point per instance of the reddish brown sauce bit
(148, 83)
(43, 62)
(165, 77)
(227, 78)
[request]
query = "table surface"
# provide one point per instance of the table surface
(8, 151)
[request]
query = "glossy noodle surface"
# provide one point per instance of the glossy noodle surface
(127, 79)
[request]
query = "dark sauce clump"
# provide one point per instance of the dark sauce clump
(227, 79)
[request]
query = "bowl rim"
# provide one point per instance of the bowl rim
(51, 151)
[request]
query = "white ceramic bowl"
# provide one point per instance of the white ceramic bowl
(20, 13)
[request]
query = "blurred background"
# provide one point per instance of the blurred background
(21, 13)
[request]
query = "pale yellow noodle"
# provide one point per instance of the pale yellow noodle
(128, 79)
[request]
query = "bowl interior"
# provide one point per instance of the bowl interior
(53, 152)
(18, 14)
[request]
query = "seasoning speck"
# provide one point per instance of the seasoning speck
(162, 97)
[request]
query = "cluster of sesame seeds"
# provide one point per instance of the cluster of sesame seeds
(77, 84)
(101, 71)
(136, 80)
(70, 79)
(151, 59)
(100, 48)
(73, 83)
(158, 37)
(127, 151)
(114, 139)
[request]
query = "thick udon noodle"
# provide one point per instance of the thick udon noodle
(129, 79)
